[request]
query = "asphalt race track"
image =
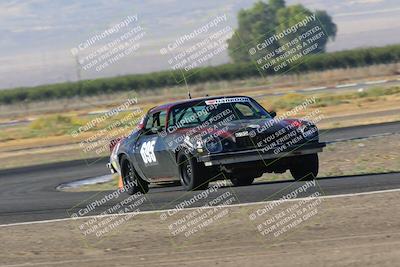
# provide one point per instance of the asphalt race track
(28, 194)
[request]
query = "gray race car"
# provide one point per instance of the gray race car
(196, 141)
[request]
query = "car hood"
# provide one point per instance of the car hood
(259, 125)
(254, 126)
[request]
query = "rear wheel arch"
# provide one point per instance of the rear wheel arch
(120, 156)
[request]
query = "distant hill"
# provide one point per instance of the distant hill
(37, 35)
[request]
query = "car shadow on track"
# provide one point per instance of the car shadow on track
(325, 178)
(170, 187)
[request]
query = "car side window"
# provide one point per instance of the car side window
(162, 117)
(156, 119)
(186, 116)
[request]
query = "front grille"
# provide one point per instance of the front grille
(262, 140)
(247, 142)
(244, 142)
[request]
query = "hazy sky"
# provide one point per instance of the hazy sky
(38, 35)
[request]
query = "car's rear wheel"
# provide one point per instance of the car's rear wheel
(305, 168)
(132, 181)
(192, 173)
(242, 181)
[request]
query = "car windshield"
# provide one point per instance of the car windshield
(215, 110)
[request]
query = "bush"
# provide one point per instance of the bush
(56, 124)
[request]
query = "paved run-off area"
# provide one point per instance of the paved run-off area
(356, 230)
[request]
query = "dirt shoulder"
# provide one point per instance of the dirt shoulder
(346, 231)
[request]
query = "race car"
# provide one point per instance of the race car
(196, 141)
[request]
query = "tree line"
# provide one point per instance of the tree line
(150, 81)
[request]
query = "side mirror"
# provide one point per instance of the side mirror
(273, 114)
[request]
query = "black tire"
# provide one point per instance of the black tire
(242, 181)
(191, 172)
(305, 168)
(130, 177)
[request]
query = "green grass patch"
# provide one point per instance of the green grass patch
(54, 125)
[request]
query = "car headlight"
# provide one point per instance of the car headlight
(213, 145)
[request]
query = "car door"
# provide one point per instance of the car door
(151, 153)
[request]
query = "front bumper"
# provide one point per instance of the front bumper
(259, 154)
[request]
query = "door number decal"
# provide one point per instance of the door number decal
(147, 152)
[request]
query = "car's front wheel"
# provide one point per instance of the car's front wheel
(192, 173)
(305, 168)
(132, 181)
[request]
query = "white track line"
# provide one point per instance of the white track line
(194, 208)
(316, 88)
(359, 138)
(346, 85)
(376, 82)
